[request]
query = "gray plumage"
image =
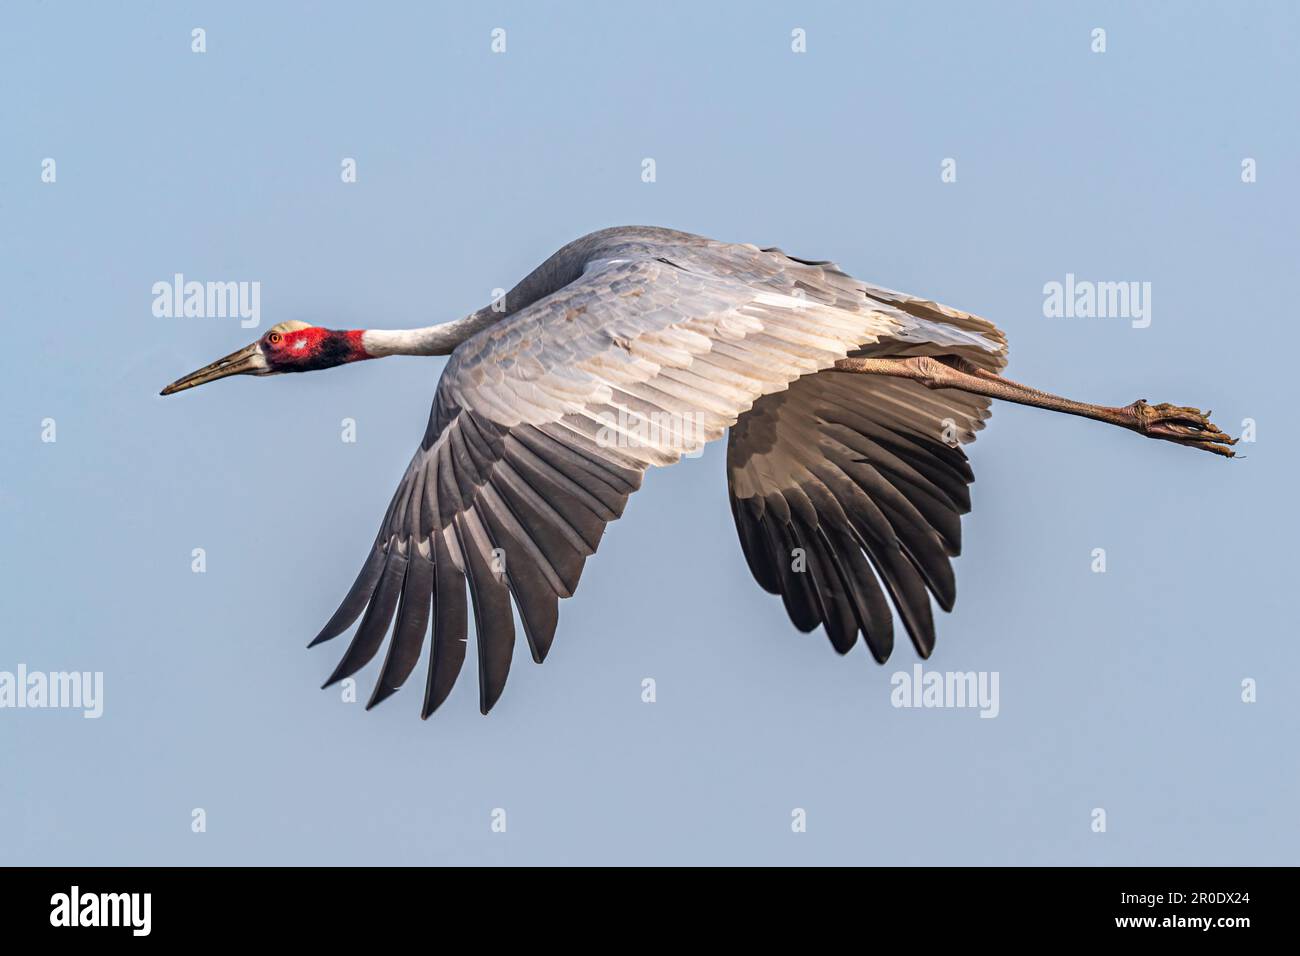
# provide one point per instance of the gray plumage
(619, 352)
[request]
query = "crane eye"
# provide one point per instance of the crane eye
(274, 338)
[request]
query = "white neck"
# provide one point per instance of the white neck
(432, 340)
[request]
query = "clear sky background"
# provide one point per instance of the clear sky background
(1119, 690)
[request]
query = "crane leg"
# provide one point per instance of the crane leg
(1175, 423)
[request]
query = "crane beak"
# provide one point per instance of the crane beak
(247, 361)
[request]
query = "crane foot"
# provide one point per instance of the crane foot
(1179, 424)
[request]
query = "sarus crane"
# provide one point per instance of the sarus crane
(847, 405)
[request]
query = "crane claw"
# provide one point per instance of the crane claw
(1180, 424)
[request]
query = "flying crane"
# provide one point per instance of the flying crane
(847, 405)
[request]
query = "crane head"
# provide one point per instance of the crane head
(287, 347)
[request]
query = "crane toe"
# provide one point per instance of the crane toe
(1181, 424)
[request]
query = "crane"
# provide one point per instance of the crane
(847, 405)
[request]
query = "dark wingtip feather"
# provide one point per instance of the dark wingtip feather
(493, 618)
(880, 654)
(355, 601)
(533, 594)
(380, 694)
(489, 693)
(409, 630)
(370, 633)
(447, 652)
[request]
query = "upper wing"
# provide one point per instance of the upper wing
(543, 424)
(845, 482)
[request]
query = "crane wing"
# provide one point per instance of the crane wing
(843, 483)
(544, 423)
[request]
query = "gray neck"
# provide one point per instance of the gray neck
(433, 340)
(559, 270)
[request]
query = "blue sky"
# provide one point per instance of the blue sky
(1119, 691)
